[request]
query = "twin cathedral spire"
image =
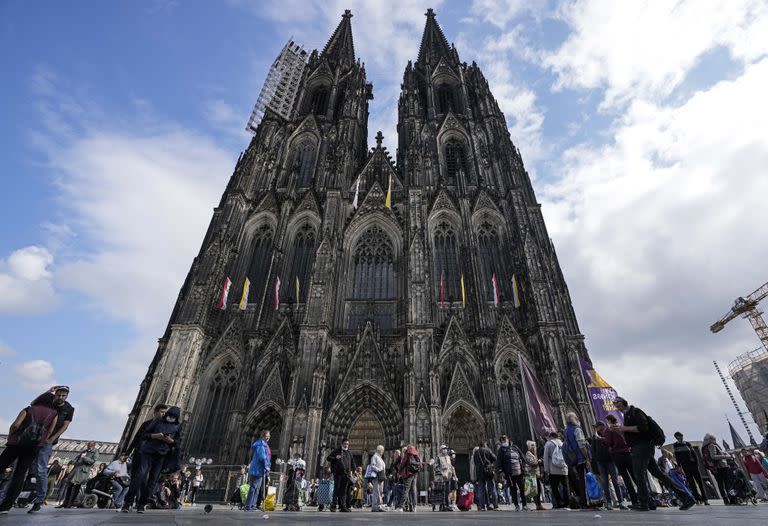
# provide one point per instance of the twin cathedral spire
(433, 259)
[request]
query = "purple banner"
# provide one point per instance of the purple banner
(538, 404)
(600, 392)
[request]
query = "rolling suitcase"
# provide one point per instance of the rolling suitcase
(325, 492)
(437, 494)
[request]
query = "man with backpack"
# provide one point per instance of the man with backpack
(509, 460)
(643, 435)
(342, 465)
(410, 466)
(556, 470)
(485, 462)
(56, 396)
(577, 456)
(29, 431)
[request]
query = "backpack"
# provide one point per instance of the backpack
(570, 451)
(413, 465)
(558, 460)
(33, 434)
(655, 433)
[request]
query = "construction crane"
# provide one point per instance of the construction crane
(747, 308)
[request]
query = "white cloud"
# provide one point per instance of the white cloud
(25, 285)
(645, 49)
(5, 351)
(658, 231)
(35, 375)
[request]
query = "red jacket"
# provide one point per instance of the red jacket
(754, 466)
(615, 441)
(408, 453)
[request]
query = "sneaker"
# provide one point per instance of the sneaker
(689, 503)
(346, 510)
(608, 507)
(35, 508)
(125, 509)
(517, 508)
(623, 507)
(398, 510)
(140, 508)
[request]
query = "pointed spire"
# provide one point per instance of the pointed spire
(738, 442)
(434, 45)
(340, 49)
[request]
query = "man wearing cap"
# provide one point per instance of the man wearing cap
(57, 397)
(685, 457)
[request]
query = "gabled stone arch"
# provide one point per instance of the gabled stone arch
(362, 222)
(456, 346)
(463, 427)
(350, 405)
(508, 339)
(231, 342)
(272, 390)
(460, 390)
(266, 416)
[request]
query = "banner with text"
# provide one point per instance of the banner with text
(601, 393)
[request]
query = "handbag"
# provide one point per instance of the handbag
(531, 486)
(593, 487)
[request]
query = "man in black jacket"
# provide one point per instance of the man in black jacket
(342, 465)
(485, 462)
(638, 436)
(135, 445)
(685, 456)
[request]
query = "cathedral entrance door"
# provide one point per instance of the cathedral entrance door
(268, 419)
(366, 433)
(463, 431)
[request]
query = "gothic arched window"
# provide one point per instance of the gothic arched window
(374, 266)
(301, 266)
(318, 104)
(215, 401)
(511, 396)
(490, 260)
(261, 254)
(303, 161)
(446, 99)
(447, 262)
(455, 161)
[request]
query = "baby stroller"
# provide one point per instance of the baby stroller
(28, 491)
(293, 485)
(739, 486)
(98, 492)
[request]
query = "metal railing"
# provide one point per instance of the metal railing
(747, 359)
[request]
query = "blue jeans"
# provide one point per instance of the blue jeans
(253, 491)
(40, 467)
(486, 494)
(605, 469)
(118, 492)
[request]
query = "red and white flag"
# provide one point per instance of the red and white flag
(277, 292)
(495, 289)
(222, 303)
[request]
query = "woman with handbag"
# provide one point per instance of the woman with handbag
(377, 467)
(533, 486)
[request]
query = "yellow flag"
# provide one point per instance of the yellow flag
(463, 293)
(297, 289)
(388, 201)
(515, 293)
(244, 299)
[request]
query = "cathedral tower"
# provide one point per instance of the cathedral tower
(410, 290)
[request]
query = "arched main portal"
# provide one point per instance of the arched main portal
(366, 433)
(348, 410)
(267, 418)
(462, 431)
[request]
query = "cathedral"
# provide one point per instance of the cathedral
(392, 299)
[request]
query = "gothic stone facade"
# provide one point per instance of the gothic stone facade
(371, 338)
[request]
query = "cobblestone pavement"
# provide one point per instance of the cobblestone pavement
(699, 515)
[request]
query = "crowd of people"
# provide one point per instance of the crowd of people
(614, 466)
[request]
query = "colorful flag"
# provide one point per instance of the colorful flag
(515, 293)
(495, 289)
(442, 289)
(244, 299)
(277, 292)
(463, 293)
(601, 393)
(539, 407)
(222, 303)
(357, 191)
(297, 289)
(388, 201)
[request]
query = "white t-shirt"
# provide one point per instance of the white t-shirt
(198, 481)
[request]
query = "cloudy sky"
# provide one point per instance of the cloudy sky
(643, 125)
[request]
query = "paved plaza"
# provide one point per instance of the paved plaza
(699, 515)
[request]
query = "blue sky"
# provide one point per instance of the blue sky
(642, 125)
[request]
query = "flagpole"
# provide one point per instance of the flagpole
(525, 395)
